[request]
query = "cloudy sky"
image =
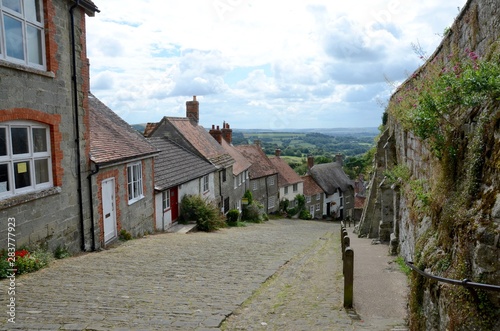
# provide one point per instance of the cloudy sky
(259, 64)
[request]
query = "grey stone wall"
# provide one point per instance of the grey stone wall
(50, 216)
(477, 255)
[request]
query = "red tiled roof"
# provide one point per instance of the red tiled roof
(241, 163)
(359, 202)
(150, 127)
(261, 165)
(286, 175)
(111, 138)
(310, 186)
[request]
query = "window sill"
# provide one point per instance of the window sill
(25, 68)
(131, 202)
(28, 197)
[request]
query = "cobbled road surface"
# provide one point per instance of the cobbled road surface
(280, 275)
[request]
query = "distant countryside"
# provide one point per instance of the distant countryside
(355, 144)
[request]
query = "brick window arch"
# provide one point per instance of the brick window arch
(30, 151)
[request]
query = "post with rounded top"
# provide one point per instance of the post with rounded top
(348, 277)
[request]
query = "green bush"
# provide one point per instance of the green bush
(61, 253)
(305, 215)
(125, 235)
(232, 216)
(254, 213)
(204, 212)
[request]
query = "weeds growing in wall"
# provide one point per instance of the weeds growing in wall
(452, 106)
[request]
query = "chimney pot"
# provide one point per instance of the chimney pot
(340, 159)
(277, 152)
(227, 133)
(216, 133)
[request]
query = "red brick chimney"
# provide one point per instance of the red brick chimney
(193, 110)
(216, 133)
(257, 143)
(277, 152)
(310, 161)
(227, 133)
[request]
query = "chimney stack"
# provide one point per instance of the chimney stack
(277, 152)
(216, 133)
(227, 133)
(340, 159)
(257, 143)
(193, 110)
(310, 161)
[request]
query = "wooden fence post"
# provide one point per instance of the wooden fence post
(348, 277)
(346, 244)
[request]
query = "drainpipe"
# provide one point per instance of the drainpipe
(77, 122)
(91, 201)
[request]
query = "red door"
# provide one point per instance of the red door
(174, 204)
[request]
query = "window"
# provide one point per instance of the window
(223, 175)
(318, 196)
(22, 33)
(235, 180)
(295, 187)
(286, 189)
(226, 205)
(25, 158)
(205, 183)
(311, 210)
(292, 204)
(308, 199)
(270, 202)
(134, 176)
(255, 185)
(271, 181)
(240, 179)
(317, 206)
(166, 199)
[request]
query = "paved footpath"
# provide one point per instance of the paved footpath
(185, 282)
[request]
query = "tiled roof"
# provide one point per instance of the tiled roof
(331, 176)
(175, 165)
(310, 186)
(195, 138)
(241, 163)
(261, 165)
(111, 138)
(286, 175)
(359, 202)
(150, 127)
(89, 6)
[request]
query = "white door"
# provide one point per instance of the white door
(108, 209)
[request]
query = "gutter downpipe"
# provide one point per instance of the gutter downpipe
(77, 122)
(91, 196)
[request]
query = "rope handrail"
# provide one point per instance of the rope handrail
(466, 282)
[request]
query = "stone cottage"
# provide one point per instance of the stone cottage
(290, 184)
(44, 123)
(263, 177)
(122, 178)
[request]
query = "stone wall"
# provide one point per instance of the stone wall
(52, 215)
(459, 245)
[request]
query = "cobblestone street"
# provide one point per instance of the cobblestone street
(280, 275)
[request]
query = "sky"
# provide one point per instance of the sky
(259, 64)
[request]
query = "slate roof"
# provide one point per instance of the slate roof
(261, 165)
(111, 138)
(330, 177)
(193, 137)
(286, 175)
(175, 165)
(310, 186)
(241, 163)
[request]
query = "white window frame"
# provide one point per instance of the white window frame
(308, 199)
(271, 181)
(271, 202)
(286, 189)
(204, 183)
(27, 24)
(311, 210)
(134, 182)
(318, 196)
(25, 162)
(255, 185)
(317, 207)
(166, 200)
(295, 187)
(235, 180)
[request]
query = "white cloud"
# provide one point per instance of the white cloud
(258, 64)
